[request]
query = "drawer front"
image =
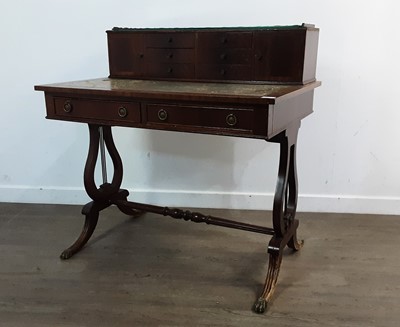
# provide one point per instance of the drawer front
(207, 117)
(225, 40)
(170, 40)
(169, 55)
(97, 110)
(225, 56)
(170, 70)
(224, 72)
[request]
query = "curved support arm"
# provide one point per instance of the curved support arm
(285, 200)
(90, 166)
(278, 211)
(291, 200)
(115, 157)
(105, 191)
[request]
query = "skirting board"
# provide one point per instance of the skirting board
(197, 199)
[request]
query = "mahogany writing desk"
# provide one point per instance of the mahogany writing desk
(243, 82)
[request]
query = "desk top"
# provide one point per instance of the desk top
(217, 92)
(250, 110)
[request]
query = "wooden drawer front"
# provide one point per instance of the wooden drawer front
(170, 40)
(161, 70)
(225, 56)
(169, 55)
(97, 109)
(175, 115)
(224, 72)
(225, 40)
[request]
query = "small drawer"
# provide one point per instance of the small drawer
(224, 72)
(225, 40)
(158, 55)
(81, 109)
(224, 56)
(170, 40)
(177, 116)
(170, 70)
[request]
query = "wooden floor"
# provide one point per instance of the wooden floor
(157, 271)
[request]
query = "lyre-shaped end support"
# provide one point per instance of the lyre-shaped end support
(104, 195)
(284, 212)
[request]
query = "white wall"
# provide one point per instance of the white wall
(349, 149)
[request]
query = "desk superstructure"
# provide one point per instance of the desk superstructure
(243, 82)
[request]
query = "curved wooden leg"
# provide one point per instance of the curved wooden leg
(275, 250)
(294, 244)
(274, 265)
(91, 211)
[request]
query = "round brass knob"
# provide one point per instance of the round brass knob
(162, 114)
(231, 120)
(67, 106)
(122, 112)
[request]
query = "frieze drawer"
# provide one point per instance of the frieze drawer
(170, 70)
(170, 40)
(89, 109)
(225, 39)
(192, 116)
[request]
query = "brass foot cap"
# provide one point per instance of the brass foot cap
(260, 305)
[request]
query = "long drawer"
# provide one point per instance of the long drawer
(81, 109)
(179, 116)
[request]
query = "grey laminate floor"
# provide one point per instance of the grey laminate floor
(156, 271)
